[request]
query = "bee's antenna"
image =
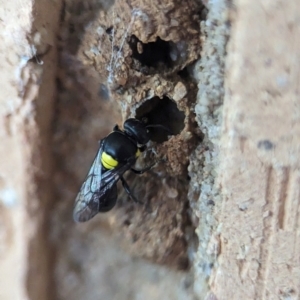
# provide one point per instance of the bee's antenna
(161, 127)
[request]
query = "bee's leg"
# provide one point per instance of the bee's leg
(143, 148)
(139, 172)
(128, 191)
(116, 128)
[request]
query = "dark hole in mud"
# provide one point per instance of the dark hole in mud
(163, 112)
(184, 73)
(71, 28)
(109, 30)
(152, 54)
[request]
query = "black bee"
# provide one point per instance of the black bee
(117, 154)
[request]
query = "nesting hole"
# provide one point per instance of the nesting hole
(184, 73)
(164, 112)
(153, 54)
(109, 30)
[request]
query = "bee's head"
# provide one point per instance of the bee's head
(138, 130)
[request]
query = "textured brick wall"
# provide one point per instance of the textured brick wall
(27, 88)
(260, 147)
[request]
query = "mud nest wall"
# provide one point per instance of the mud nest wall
(120, 60)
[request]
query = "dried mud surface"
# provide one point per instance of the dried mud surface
(105, 77)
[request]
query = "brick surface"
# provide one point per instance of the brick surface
(260, 154)
(27, 30)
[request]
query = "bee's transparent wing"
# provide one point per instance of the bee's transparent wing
(87, 200)
(97, 187)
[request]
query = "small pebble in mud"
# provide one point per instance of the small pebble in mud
(103, 92)
(265, 144)
(139, 47)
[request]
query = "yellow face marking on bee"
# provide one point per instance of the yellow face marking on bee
(138, 152)
(107, 161)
